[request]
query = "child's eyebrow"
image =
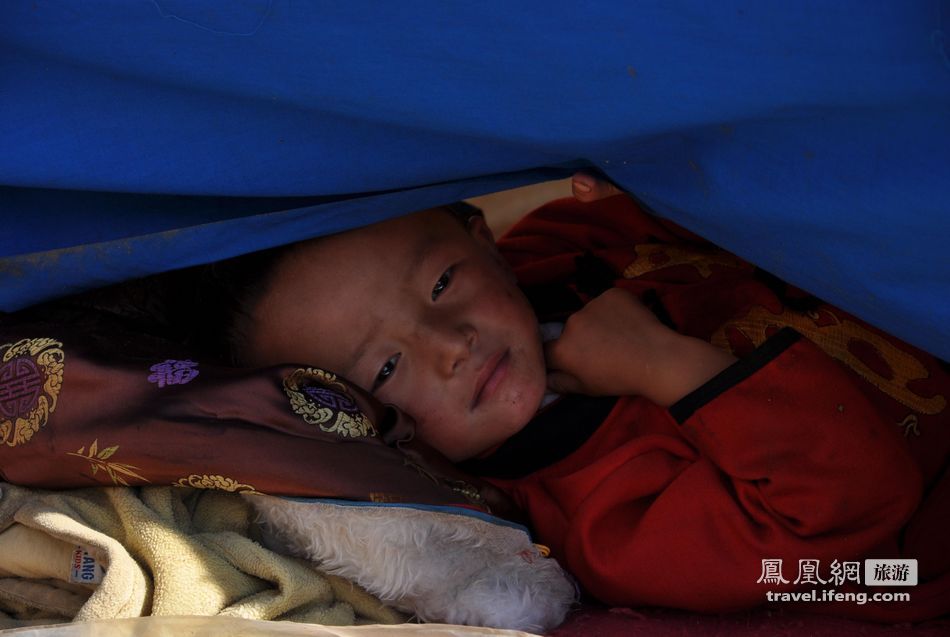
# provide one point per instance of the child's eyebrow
(419, 251)
(358, 353)
(417, 254)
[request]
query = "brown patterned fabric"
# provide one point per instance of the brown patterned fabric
(90, 402)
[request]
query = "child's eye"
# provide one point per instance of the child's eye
(442, 283)
(387, 370)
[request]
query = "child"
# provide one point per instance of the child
(707, 476)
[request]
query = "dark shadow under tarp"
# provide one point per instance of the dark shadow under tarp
(809, 137)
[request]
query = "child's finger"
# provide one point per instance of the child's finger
(582, 184)
(588, 188)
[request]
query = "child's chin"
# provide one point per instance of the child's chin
(525, 409)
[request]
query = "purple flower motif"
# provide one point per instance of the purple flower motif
(173, 372)
(330, 398)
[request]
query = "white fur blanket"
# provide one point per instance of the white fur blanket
(445, 565)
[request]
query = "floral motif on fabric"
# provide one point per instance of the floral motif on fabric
(322, 400)
(31, 377)
(173, 372)
(870, 355)
(220, 483)
(652, 257)
(100, 459)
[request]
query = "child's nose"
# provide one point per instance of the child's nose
(453, 346)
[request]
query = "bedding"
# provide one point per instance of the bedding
(442, 564)
(97, 399)
(106, 553)
(215, 626)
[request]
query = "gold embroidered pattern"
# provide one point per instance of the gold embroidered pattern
(656, 256)
(470, 492)
(100, 460)
(910, 425)
(221, 483)
(322, 400)
(31, 376)
(382, 498)
(834, 336)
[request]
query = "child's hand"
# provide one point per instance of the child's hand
(616, 346)
(607, 348)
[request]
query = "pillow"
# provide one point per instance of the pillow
(91, 402)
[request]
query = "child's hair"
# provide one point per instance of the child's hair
(228, 292)
(463, 211)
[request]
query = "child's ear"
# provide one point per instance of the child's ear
(478, 228)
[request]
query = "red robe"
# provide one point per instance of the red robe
(830, 448)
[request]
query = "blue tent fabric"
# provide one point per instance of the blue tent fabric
(810, 137)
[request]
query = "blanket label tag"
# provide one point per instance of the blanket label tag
(85, 567)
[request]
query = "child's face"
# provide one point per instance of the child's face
(422, 312)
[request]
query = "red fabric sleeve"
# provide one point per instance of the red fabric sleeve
(788, 461)
(542, 246)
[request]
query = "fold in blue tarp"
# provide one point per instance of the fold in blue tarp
(810, 137)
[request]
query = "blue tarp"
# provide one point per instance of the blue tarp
(810, 137)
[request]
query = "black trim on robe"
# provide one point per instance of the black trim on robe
(556, 432)
(685, 407)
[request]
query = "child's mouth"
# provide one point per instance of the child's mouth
(491, 375)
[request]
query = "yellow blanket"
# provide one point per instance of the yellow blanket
(105, 553)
